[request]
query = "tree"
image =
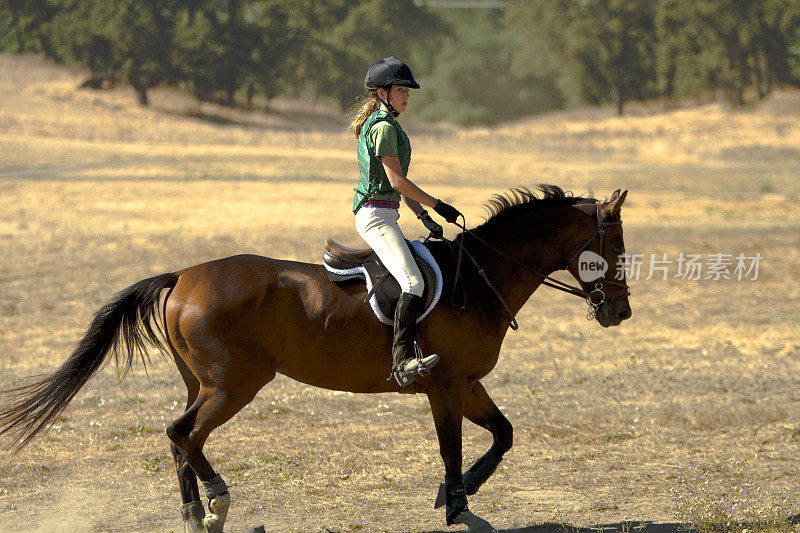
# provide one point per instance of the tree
(140, 33)
(373, 30)
(272, 46)
(725, 45)
(314, 62)
(794, 58)
(22, 23)
(471, 78)
(131, 39)
(598, 50)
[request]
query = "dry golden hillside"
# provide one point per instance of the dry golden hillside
(687, 414)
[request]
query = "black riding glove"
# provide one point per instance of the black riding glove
(446, 211)
(435, 229)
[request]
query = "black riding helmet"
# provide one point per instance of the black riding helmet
(387, 72)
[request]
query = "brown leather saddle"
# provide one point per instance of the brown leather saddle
(345, 264)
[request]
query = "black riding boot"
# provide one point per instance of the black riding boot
(405, 363)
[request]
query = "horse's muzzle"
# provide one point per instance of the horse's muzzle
(613, 315)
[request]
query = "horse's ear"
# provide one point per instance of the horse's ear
(612, 207)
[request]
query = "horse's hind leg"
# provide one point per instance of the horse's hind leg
(192, 511)
(482, 411)
(212, 408)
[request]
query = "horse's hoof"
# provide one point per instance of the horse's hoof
(475, 523)
(441, 497)
(212, 524)
(218, 507)
(193, 514)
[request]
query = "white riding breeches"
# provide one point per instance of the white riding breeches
(378, 227)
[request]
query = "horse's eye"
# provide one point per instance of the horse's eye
(617, 249)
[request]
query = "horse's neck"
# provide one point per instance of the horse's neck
(517, 271)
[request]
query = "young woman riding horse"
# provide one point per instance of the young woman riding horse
(232, 324)
(384, 155)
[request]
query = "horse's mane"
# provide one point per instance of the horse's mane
(519, 200)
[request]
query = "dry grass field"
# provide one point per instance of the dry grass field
(688, 414)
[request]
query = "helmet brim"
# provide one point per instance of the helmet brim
(411, 84)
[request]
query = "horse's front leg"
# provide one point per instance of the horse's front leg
(482, 411)
(447, 406)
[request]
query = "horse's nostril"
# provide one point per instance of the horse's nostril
(625, 314)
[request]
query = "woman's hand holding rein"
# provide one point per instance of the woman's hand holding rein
(447, 211)
(437, 232)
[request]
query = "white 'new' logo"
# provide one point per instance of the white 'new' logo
(591, 266)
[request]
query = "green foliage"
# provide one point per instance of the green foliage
(212, 49)
(725, 45)
(477, 66)
(22, 23)
(596, 50)
(471, 81)
(362, 38)
(794, 59)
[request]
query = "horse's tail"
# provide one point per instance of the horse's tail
(130, 318)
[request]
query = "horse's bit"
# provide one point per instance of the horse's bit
(596, 298)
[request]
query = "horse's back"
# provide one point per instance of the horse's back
(247, 286)
(275, 313)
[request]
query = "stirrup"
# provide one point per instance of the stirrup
(407, 370)
(420, 366)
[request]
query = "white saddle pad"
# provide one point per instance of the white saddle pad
(425, 255)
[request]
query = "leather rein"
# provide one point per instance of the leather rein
(595, 298)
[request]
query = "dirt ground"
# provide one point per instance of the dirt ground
(687, 415)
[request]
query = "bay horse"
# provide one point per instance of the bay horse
(232, 324)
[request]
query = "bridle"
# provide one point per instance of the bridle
(595, 299)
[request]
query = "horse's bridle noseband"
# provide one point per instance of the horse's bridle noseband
(596, 298)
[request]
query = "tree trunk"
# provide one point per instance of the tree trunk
(141, 94)
(618, 99)
(737, 72)
(764, 75)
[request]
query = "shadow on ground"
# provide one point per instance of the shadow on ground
(215, 119)
(622, 527)
(627, 527)
(643, 527)
(287, 120)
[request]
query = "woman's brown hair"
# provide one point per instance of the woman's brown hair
(369, 104)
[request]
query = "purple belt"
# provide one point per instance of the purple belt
(378, 203)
